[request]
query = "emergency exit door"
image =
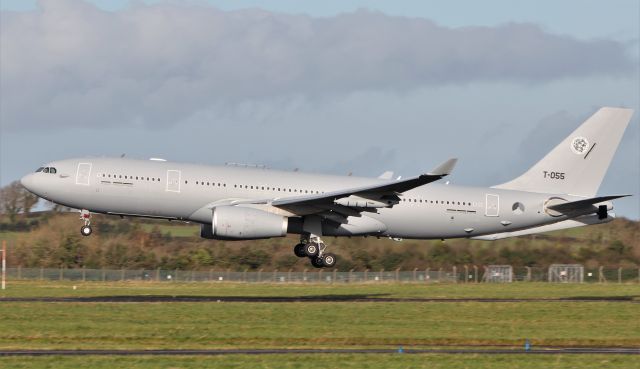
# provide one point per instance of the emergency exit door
(173, 180)
(492, 207)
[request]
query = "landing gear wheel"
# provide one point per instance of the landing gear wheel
(299, 250)
(311, 250)
(86, 230)
(328, 260)
(317, 262)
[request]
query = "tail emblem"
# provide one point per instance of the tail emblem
(579, 145)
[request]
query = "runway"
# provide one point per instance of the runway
(311, 298)
(399, 351)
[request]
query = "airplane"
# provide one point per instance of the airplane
(245, 203)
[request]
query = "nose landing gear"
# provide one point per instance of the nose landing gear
(311, 246)
(85, 215)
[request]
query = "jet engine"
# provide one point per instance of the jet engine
(243, 223)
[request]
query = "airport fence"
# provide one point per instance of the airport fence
(464, 274)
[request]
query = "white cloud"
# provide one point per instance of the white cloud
(71, 64)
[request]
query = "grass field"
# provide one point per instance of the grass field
(329, 361)
(175, 325)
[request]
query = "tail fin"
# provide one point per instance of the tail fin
(578, 164)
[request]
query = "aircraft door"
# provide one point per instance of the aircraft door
(83, 174)
(492, 205)
(173, 180)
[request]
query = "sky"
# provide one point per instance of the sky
(338, 87)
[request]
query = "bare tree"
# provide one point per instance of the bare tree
(10, 200)
(29, 200)
(15, 199)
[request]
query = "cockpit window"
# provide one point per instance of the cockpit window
(39, 169)
(53, 170)
(46, 170)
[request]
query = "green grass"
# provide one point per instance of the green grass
(330, 361)
(191, 325)
(373, 289)
(227, 325)
(326, 324)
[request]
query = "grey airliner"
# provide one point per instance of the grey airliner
(241, 203)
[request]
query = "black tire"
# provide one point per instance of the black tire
(317, 262)
(86, 230)
(311, 249)
(299, 250)
(328, 260)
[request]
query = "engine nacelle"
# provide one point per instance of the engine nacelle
(242, 223)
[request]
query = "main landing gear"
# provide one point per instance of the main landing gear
(85, 215)
(312, 247)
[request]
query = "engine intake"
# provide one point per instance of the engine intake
(242, 223)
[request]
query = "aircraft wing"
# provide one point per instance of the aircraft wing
(381, 194)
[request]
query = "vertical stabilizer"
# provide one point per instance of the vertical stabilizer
(578, 164)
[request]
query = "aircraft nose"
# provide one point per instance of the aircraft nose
(28, 182)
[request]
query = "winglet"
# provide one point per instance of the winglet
(444, 169)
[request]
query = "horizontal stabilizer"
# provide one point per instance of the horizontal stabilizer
(580, 205)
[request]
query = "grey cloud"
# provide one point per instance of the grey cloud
(72, 64)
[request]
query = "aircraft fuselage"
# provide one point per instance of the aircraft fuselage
(186, 192)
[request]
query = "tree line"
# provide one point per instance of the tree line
(54, 241)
